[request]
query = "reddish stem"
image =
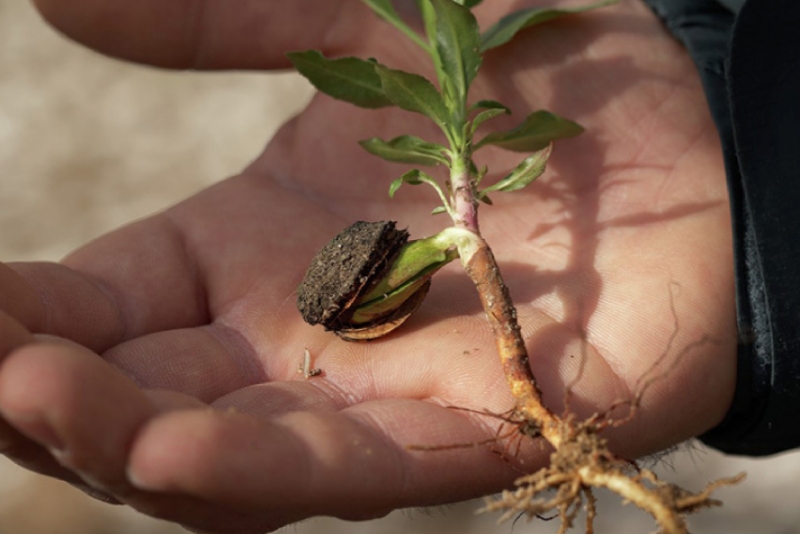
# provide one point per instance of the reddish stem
(482, 269)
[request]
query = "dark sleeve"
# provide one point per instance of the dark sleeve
(748, 57)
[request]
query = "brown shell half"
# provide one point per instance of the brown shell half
(387, 323)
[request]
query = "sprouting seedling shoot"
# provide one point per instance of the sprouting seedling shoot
(352, 304)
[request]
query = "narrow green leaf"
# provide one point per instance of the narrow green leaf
(412, 177)
(451, 97)
(416, 177)
(406, 149)
(538, 130)
(480, 174)
(484, 116)
(485, 198)
(350, 79)
(429, 20)
(492, 108)
(438, 209)
(458, 44)
(507, 27)
(489, 104)
(526, 172)
(385, 10)
(413, 93)
(394, 186)
(470, 3)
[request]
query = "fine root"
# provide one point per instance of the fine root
(583, 462)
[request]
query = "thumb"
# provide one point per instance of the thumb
(207, 34)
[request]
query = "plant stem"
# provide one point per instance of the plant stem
(465, 199)
(481, 267)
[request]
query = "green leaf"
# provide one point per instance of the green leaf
(470, 3)
(395, 185)
(429, 20)
(406, 149)
(385, 10)
(438, 209)
(484, 116)
(538, 130)
(479, 174)
(350, 79)
(507, 27)
(416, 177)
(492, 109)
(413, 93)
(489, 104)
(526, 172)
(412, 177)
(458, 44)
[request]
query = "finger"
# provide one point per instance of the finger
(205, 363)
(20, 300)
(29, 454)
(33, 457)
(167, 272)
(52, 299)
(13, 444)
(77, 407)
(208, 34)
(352, 464)
(134, 281)
(12, 334)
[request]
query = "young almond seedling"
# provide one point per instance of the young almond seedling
(370, 278)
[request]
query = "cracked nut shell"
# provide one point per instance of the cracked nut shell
(346, 269)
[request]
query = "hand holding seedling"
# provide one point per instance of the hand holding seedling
(195, 305)
(368, 280)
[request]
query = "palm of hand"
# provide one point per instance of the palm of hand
(203, 303)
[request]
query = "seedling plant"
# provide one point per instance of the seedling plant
(370, 278)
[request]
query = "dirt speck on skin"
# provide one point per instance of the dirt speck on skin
(344, 268)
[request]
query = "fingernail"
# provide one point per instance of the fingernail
(42, 433)
(97, 494)
(137, 482)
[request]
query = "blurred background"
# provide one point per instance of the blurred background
(88, 144)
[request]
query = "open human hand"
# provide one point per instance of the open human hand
(158, 364)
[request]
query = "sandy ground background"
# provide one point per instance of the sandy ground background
(88, 144)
